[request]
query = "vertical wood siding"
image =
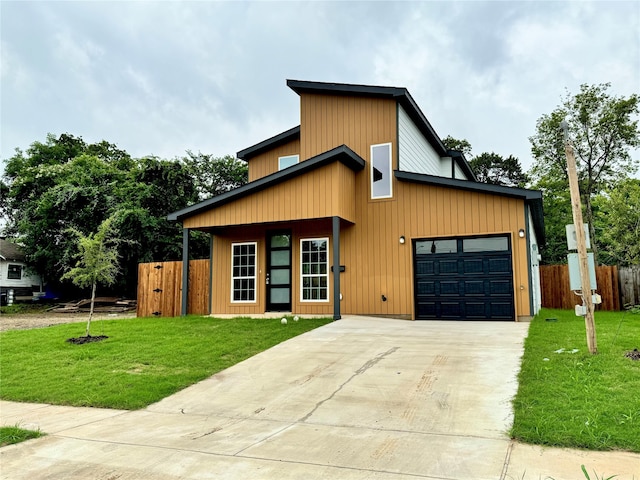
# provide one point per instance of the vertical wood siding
(267, 163)
(324, 192)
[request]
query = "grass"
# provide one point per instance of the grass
(142, 361)
(577, 399)
(17, 308)
(11, 435)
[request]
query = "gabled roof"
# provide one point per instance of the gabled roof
(269, 143)
(341, 154)
(533, 198)
(401, 95)
(9, 251)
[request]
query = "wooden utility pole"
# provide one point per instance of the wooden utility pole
(576, 207)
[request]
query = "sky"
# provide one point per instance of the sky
(160, 78)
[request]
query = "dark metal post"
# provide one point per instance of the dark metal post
(185, 271)
(336, 268)
(210, 273)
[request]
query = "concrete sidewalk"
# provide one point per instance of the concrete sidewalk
(358, 398)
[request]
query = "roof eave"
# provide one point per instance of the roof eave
(269, 143)
(341, 153)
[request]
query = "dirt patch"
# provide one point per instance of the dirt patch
(87, 339)
(26, 321)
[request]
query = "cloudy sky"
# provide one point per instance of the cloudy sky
(160, 78)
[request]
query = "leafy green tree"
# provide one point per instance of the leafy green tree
(97, 261)
(619, 223)
(215, 175)
(65, 183)
(463, 145)
(494, 169)
(603, 129)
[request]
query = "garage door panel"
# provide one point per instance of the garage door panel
(464, 285)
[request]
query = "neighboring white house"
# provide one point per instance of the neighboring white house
(14, 274)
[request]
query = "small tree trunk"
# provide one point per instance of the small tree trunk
(93, 297)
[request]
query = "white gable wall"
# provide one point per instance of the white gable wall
(415, 153)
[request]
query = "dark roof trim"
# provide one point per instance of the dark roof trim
(461, 161)
(268, 144)
(401, 95)
(531, 197)
(342, 154)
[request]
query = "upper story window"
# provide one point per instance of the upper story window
(14, 272)
(288, 161)
(381, 171)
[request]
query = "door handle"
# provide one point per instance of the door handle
(267, 279)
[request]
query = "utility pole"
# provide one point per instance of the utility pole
(576, 207)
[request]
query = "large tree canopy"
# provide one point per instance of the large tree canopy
(65, 183)
(603, 129)
(496, 170)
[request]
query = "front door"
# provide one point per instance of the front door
(278, 276)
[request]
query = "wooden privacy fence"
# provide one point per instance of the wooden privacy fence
(160, 288)
(554, 282)
(630, 285)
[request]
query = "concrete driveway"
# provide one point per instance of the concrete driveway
(361, 398)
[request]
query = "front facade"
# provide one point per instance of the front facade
(15, 278)
(361, 210)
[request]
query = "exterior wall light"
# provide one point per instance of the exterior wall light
(521, 233)
(402, 240)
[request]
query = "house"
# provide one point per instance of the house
(361, 209)
(14, 275)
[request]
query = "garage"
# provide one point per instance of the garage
(464, 278)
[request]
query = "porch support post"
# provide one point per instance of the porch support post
(336, 268)
(185, 271)
(210, 273)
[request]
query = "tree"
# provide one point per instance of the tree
(463, 145)
(65, 183)
(215, 175)
(494, 169)
(603, 131)
(619, 223)
(97, 261)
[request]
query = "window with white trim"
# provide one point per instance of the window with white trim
(14, 272)
(314, 268)
(381, 171)
(288, 161)
(243, 272)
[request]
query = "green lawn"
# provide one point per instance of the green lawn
(142, 361)
(577, 399)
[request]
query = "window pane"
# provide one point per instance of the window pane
(489, 244)
(381, 171)
(424, 247)
(280, 258)
(280, 240)
(279, 295)
(280, 277)
(314, 269)
(288, 161)
(243, 282)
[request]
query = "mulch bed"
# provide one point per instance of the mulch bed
(633, 354)
(87, 339)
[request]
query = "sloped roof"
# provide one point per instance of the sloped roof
(338, 154)
(269, 143)
(533, 198)
(10, 251)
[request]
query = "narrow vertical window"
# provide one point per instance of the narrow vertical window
(243, 272)
(314, 265)
(381, 171)
(288, 161)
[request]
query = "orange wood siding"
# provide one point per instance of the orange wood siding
(267, 163)
(327, 121)
(221, 285)
(377, 264)
(324, 192)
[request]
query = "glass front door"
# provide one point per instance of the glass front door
(278, 276)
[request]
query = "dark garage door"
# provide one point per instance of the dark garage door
(469, 278)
